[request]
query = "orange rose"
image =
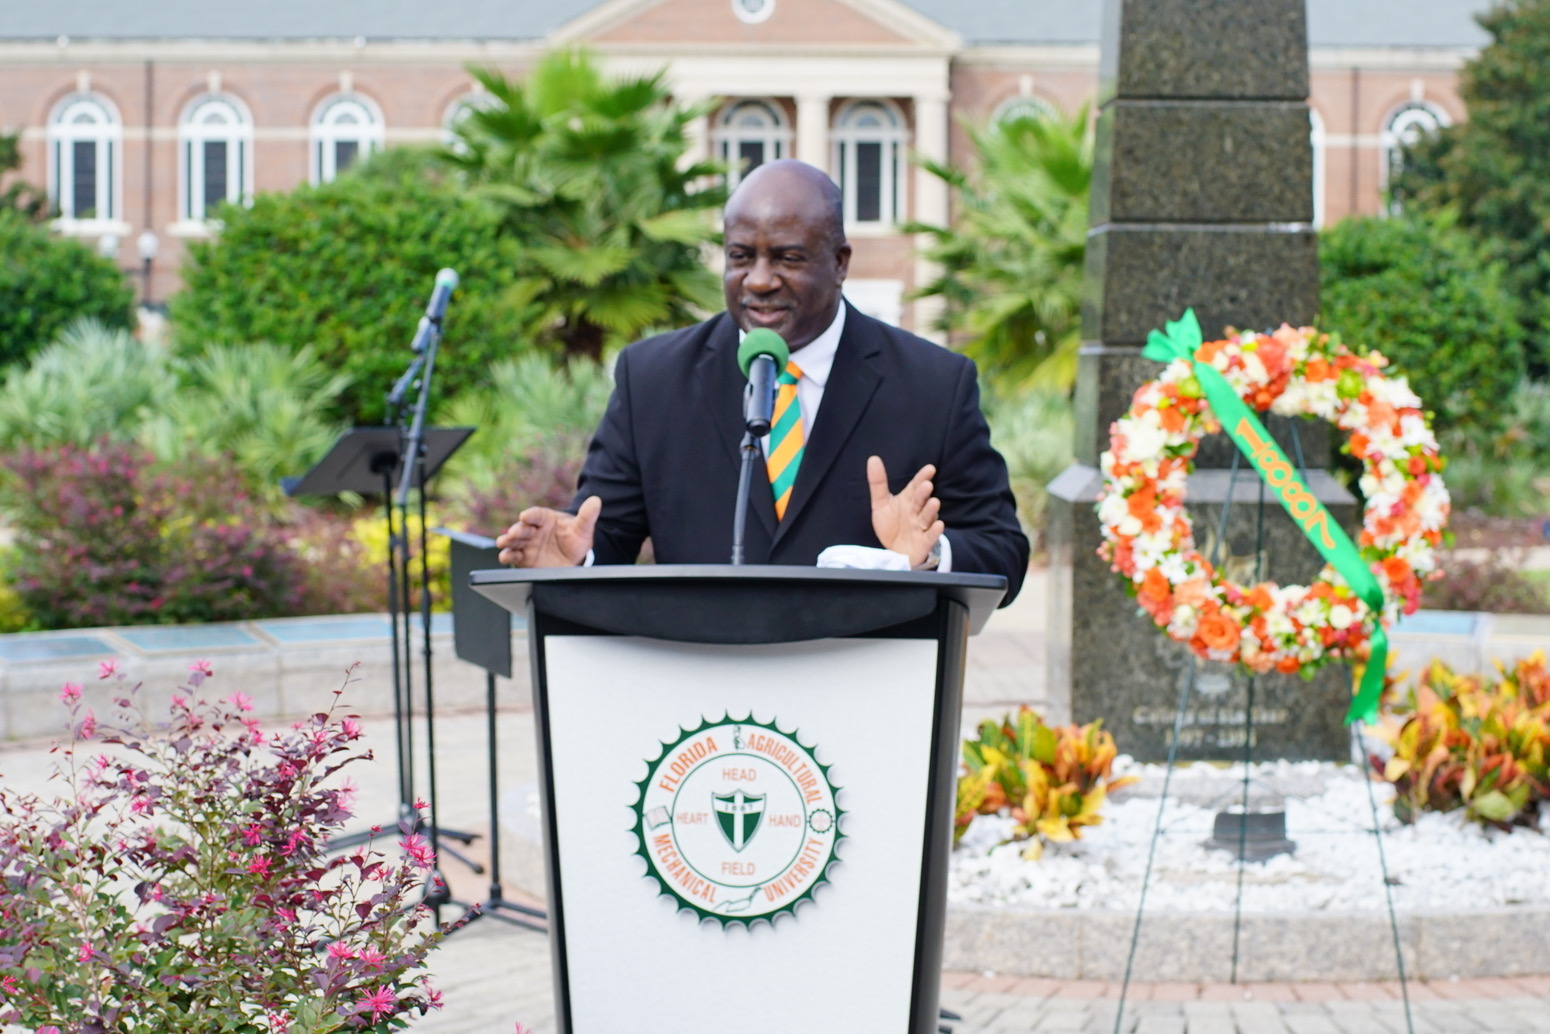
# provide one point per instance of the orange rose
(1259, 598)
(1218, 631)
(1193, 593)
(1154, 585)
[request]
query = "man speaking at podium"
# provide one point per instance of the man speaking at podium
(886, 448)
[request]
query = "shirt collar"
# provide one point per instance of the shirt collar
(816, 358)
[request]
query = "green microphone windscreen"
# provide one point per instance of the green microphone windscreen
(762, 341)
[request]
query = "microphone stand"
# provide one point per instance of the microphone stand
(437, 894)
(750, 449)
(756, 420)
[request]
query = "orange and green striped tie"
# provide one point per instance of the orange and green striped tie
(785, 438)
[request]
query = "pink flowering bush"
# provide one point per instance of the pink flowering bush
(182, 881)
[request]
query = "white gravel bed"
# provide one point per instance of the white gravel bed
(1441, 863)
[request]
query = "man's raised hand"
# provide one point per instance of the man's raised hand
(550, 538)
(905, 523)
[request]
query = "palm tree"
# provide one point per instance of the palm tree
(588, 174)
(1012, 261)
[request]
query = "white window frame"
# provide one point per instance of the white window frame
(106, 131)
(846, 136)
(1319, 142)
(328, 128)
(1403, 125)
(729, 135)
(1024, 106)
(234, 128)
(753, 13)
(460, 109)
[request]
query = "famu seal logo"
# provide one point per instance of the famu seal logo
(737, 820)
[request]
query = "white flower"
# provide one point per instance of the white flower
(1145, 438)
(1340, 616)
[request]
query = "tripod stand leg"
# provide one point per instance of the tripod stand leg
(495, 905)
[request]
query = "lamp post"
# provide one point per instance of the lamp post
(147, 244)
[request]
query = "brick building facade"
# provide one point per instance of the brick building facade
(142, 120)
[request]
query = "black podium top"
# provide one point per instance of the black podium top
(719, 603)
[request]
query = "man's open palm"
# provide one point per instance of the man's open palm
(905, 523)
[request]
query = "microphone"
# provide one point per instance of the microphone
(761, 356)
(446, 283)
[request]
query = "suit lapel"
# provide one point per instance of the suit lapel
(725, 382)
(852, 382)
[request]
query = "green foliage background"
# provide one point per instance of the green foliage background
(1011, 280)
(586, 172)
(47, 281)
(1494, 168)
(1422, 292)
(346, 269)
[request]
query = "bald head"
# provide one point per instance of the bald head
(786, 251)
(790, 182)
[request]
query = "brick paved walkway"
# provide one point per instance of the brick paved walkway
(495, 976)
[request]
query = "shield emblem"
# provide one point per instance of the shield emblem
(738, 814)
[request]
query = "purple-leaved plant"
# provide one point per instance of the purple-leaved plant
(182, 882)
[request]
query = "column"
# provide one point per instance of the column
(813, 130)
(931, 205)
(697, 132)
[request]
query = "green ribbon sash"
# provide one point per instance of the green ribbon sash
(1181, 341)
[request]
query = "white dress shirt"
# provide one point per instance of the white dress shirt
(816, 359)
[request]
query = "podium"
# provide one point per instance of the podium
(749, 776)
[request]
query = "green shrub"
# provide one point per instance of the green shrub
(262, 406)
(46, 282)
(1033, 432)
(95, 381)
(1504, 470)
(534, 416)
(346, 268)
(1418, 290)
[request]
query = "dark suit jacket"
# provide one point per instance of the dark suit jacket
(665, 458)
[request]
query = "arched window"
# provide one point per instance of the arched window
(868, 159)
(84, 137)
(215, 156)
(750, 133)
(1024, 107)
(457, 113)
(1406, 125)
(345, 129)
(1317, 140)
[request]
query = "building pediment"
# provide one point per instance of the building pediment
(775, 23)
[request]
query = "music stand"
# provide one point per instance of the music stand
(481, 635)
(368, 460)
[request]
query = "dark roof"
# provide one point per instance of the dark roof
(1331, 23)
(1360, 23)
(288, 19)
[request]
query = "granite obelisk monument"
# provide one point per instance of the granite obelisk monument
(1203, 198)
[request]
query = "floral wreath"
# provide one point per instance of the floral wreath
(1290, 628)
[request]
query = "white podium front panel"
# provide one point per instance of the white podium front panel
(840, 956)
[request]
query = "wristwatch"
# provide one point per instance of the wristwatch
(934, 558)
